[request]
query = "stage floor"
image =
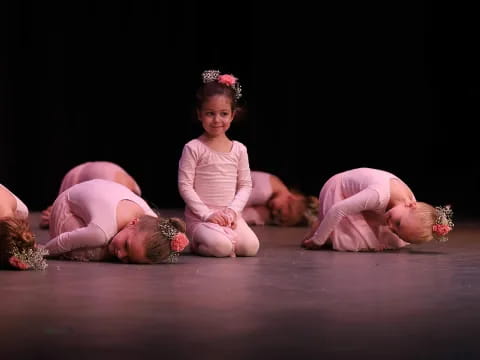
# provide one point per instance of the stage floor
(286, 303)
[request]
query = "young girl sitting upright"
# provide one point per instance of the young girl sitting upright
(370, 209)
(101, 220)
(18, 249)
(214, 176)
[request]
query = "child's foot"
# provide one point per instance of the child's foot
(45, 218)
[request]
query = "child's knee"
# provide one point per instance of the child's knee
(247, 248)
(222, 248)
(213, 244)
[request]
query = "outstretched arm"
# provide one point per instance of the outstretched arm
(85, 237)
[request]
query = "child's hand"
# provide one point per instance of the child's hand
(308, 244)
(231, 217)
(219, 218)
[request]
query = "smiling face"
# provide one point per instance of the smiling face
(128, 245)
(216, 115)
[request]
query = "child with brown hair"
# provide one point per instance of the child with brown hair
(18, 249)
(214, 175)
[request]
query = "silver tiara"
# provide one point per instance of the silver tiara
(443, 222)
(214, 75)
(169, 232)
(33, 256)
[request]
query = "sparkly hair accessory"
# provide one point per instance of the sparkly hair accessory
(226, 79)
(28, 259)
(178, 240)
(311, 213)
(443, 223)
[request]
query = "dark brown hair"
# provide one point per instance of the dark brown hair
(209, 89)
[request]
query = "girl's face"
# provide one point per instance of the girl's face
(402, 221)
(287, 209)
(128, 245)
(216, 115)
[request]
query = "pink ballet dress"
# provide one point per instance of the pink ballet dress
(95, 170)
(351, 205)
(208, 181)
(21, 211)
(261, 193)
(83, 219)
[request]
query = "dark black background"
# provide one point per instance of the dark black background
(328, 87)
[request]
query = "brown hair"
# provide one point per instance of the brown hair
(209, 89)
(157, 245)
(14, 231)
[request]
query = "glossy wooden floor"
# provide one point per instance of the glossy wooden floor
(286, 303)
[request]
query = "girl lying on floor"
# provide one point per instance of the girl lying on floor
(101, 220)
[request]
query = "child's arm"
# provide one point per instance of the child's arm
(367, 199)
(186, 176)
(244, 184)
(85, 237)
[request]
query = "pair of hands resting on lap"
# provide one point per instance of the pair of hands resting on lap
(225, 217)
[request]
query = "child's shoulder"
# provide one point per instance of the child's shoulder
(193, 143)
(239, 145)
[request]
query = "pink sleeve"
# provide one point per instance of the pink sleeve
(186, 175)
(85, 237)
(244, 183)
(367, 199)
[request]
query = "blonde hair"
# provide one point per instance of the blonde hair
(14, 232)
(426, 215)
(157, 245)
(311, 213)
(310, 204)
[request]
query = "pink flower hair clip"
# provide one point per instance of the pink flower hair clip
(226, 79)
(443, 223)
(178, 240)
